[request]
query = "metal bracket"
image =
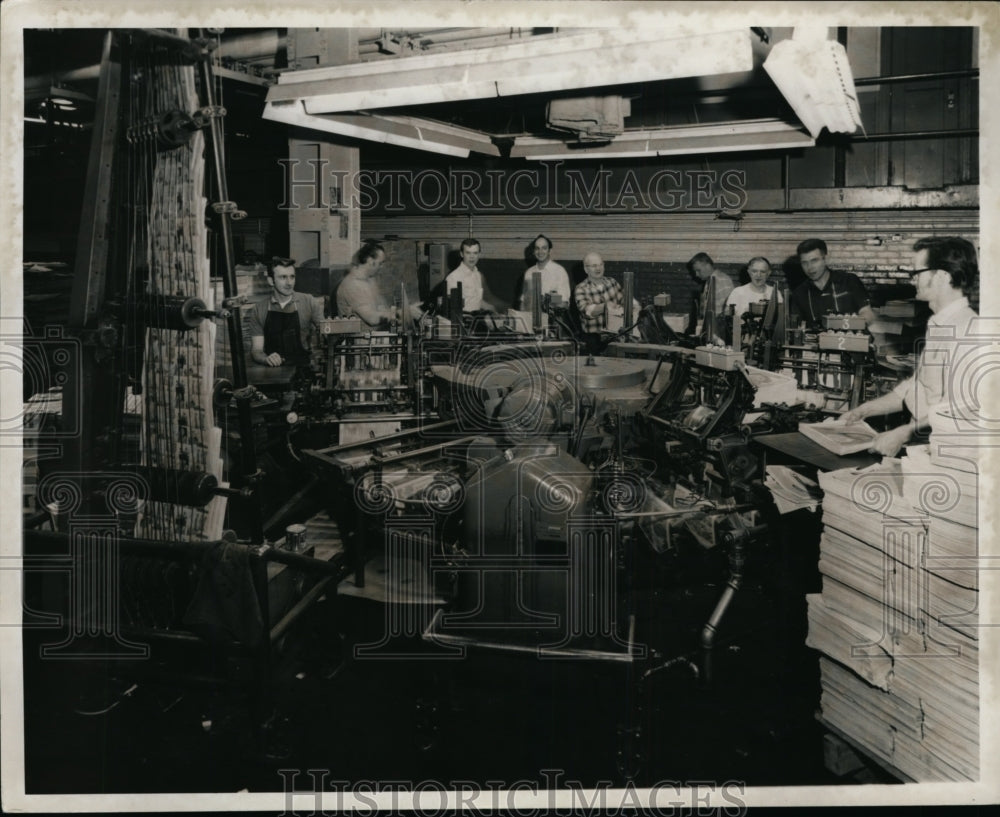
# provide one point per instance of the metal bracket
(231, 209)
(206, 114)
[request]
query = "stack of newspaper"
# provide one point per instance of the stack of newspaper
(896, 621)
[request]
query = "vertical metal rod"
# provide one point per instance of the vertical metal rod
(248, 452)
(839, 150)
(786, 179)
(90, 277)
(262, 696)
(708, 312)
(536, 302)
(628, 278)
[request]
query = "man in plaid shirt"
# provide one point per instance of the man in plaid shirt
(596, 295)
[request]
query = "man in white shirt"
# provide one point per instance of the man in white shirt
(944, 269)
(468, 275)
(555, 279)
(759, 270)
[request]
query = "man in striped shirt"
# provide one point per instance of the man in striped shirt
(826, 291)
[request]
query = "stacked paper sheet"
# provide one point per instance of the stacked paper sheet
(897, 618)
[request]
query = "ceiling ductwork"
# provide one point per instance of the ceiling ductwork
(589, 118)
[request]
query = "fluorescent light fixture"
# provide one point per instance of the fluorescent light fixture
(754, 134)
(405, 131)
(814, 76)
(538, 64)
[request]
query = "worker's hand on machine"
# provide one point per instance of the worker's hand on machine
(274, 359)
(888, 443)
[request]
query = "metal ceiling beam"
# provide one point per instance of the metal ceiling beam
(541, 64)
(404, 131)
(756, 134)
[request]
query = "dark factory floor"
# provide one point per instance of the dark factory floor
(490, 716)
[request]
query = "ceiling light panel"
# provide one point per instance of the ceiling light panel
(758, 134)
(404, 131)
(540, 64)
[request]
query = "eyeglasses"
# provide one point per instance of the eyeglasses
(915, 272)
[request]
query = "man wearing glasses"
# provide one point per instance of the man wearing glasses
(945, 271)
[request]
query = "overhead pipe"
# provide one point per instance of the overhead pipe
(370, 50)
(260, 45)
(914, 134)
(966, 73)
(371, 53)
(442, 35)
(243, 47)
(247, 47)
(38, 86)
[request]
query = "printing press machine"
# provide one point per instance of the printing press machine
(499, 483)
(517, 484)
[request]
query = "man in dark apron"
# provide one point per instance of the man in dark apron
(279, 325)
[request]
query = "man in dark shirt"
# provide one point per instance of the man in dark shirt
(279, 326)
(826, 291)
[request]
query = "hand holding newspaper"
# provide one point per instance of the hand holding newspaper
(839, 437)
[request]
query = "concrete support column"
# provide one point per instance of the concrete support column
(323, 223)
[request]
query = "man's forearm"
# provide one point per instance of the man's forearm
(886, 404)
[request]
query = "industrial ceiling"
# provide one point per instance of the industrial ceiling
(522, 92)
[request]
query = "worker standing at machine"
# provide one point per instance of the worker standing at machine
(279, 326)
(703, 268)
(471, 279)
(555, 279)
(826, 291)
(944, 271)
(597, 296)
(758, 270)
(359, 294)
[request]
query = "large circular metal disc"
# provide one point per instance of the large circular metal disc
(598, 372)
(601, 373)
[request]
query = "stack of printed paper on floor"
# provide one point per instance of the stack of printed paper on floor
(897, 619)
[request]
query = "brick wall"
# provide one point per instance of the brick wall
(657, 246)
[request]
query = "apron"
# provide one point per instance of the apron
(281, 335)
